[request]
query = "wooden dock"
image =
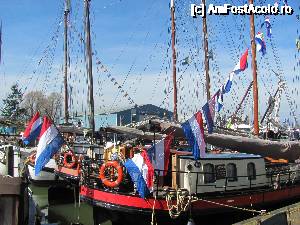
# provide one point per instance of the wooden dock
(289, 215)
(10, 192)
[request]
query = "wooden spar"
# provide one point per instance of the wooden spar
(254, 71)
(175, 114)
(206, 59)
(89, 65)
(242, 101)
(66, 13)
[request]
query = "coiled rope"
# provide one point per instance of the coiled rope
(182, 202)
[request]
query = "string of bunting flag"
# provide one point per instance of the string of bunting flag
(193, 127)
(115, 82)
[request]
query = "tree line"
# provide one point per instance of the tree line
(20, 107)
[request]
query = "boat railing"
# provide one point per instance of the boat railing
(198, 182)
(195, 181)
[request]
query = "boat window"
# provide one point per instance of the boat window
(231, 172)
(251, 172)
(209, 173)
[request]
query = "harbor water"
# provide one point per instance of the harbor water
(63, 214)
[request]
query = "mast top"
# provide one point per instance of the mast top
(67, 5)
(172, 4)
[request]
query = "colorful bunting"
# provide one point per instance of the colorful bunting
(194, 132)
(260, 43)
(219, 104)
(185, 61)
(116, 83)
(243, 63)
(209, 113)
(268, 26)
(227, 87)
(298, 44)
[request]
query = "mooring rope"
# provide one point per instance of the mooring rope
(153, 213)
(184, 202)
(230, 206)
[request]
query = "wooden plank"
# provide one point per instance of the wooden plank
(174, 171)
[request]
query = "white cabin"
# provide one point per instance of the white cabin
(222, 172)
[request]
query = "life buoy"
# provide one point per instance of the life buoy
(112, 165)
(67, 163)
(31, 158)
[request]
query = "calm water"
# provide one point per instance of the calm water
(63, 214)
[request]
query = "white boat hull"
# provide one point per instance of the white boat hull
(46, 175)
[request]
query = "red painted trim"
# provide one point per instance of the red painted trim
(132, 201)
(123, 200)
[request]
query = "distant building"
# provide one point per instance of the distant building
(7, 128)
(139, 113)
(123, 117)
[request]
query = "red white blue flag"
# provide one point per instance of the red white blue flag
(159, 154)
(268, 26)
(260, 43)
(194, 132)
(141, 173)
(242, 64)
(33, 129)
(209, 113)
(50, 142)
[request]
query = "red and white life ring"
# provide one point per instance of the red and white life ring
(67, 163)
(111, 165)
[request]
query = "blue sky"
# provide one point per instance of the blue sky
(131, 39)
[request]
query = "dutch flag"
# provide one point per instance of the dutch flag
(242, 64)
(141, 172)
(209, 113)
(50, 142)
(159, 154)
(33, 129)
(194, 132)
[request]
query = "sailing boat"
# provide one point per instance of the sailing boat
(125, 191)
(57, 167)
(69, 164)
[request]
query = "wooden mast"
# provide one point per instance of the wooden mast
(66, 14)
(175, 114)
(206, 59)
(88, 52)
(254, 71)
